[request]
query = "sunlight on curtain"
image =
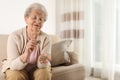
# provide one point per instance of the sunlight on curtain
(91, 24)
(74, 22)
(104, 27)
(71, 23)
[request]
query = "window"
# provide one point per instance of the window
(118, 34)
(98, 32)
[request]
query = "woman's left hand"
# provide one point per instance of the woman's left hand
(44, 58)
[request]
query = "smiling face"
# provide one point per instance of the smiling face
(35, 20)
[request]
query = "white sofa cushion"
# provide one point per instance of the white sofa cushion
(2, 75)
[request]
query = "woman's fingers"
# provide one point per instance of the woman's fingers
(31, 44)
(43, 58)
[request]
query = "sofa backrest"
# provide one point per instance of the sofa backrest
(3, 45)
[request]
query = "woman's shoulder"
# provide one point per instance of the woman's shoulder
(43, 34)
(17, 33)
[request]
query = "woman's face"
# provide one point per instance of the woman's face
(35, 20)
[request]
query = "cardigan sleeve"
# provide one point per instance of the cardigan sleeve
(13, 53)
(46, 48)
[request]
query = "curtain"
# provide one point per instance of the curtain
(92, 25)
(70, 16)
(105, 36)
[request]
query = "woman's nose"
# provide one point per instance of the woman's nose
(37, 21)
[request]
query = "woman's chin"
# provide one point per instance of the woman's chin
(35, 30)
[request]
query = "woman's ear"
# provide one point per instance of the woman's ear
(25, 18)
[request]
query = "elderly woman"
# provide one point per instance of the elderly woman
(29, 49)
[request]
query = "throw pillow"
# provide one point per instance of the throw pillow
(59, 52)
(74, 58)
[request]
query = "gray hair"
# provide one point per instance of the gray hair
(36, 6)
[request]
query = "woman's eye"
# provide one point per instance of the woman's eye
(40, 19)
(34, 17)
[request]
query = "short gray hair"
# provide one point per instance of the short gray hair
(36, 6)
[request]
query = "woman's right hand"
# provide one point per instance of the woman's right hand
(31, 44)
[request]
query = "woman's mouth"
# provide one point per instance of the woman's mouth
(36, 25)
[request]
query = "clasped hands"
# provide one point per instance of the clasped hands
(31, 45)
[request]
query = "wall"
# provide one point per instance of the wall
(12, 15)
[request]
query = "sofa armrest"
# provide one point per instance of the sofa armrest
(73, 57)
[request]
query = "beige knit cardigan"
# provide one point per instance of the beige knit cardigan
(15, 45)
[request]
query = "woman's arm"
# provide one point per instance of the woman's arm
(45, 55)
(13, 53)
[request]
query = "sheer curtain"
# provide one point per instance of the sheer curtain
(92, 25)
(73, 22)
(105, 39)
(70, 16)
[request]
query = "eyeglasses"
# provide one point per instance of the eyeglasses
(42, 19)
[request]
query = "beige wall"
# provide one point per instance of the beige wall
(12, 15)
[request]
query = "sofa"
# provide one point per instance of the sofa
(69, 69)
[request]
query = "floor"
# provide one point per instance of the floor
(92, 78)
